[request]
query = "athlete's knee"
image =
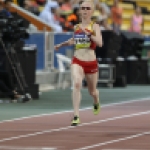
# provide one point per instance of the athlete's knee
(77, 84)
(93, 93)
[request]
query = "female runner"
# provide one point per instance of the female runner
(87, 35)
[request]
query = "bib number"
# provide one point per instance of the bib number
(82, 41)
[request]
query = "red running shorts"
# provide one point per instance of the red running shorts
(87, 66)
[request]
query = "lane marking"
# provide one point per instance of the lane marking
(70, 127)
(114, 141)
(26, 148)
(83, 109)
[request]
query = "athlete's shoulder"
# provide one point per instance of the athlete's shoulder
(93, 23)
(91, 27)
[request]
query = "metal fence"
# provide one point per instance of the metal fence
(45, 41)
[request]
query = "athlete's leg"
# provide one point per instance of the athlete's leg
(77, 77)
(92, 83)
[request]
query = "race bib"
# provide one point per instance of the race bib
(82, 41)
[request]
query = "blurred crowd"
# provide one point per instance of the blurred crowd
(62, 15)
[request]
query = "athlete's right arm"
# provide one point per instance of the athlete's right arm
(66, 43)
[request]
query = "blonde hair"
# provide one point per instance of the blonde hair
(89, 1)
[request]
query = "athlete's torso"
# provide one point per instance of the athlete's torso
(82, 40)
(84, 46)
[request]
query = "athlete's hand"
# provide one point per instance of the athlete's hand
(57, 47)
(84, 30)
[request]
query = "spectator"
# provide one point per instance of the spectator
(41, 2)
(103, 14)
(137, 21)
(31, 6)
(103, 17)
(101, 5)
(61, 20)
(66, 7)
(60, 2)
(74, 17)
(116, 14)
(5, 11)
(75, 3)
(104, 25)
(48, 15)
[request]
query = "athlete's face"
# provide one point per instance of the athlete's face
(86, 10)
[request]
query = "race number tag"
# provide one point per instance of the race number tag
(82, 40)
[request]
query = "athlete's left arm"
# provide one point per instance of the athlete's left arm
(97, 38)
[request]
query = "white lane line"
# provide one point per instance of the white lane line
(68, 111)
(26, 148)
(70, 127)
(114, 141)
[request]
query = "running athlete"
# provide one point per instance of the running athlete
(87, 35)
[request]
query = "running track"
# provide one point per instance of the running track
(119, 126)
